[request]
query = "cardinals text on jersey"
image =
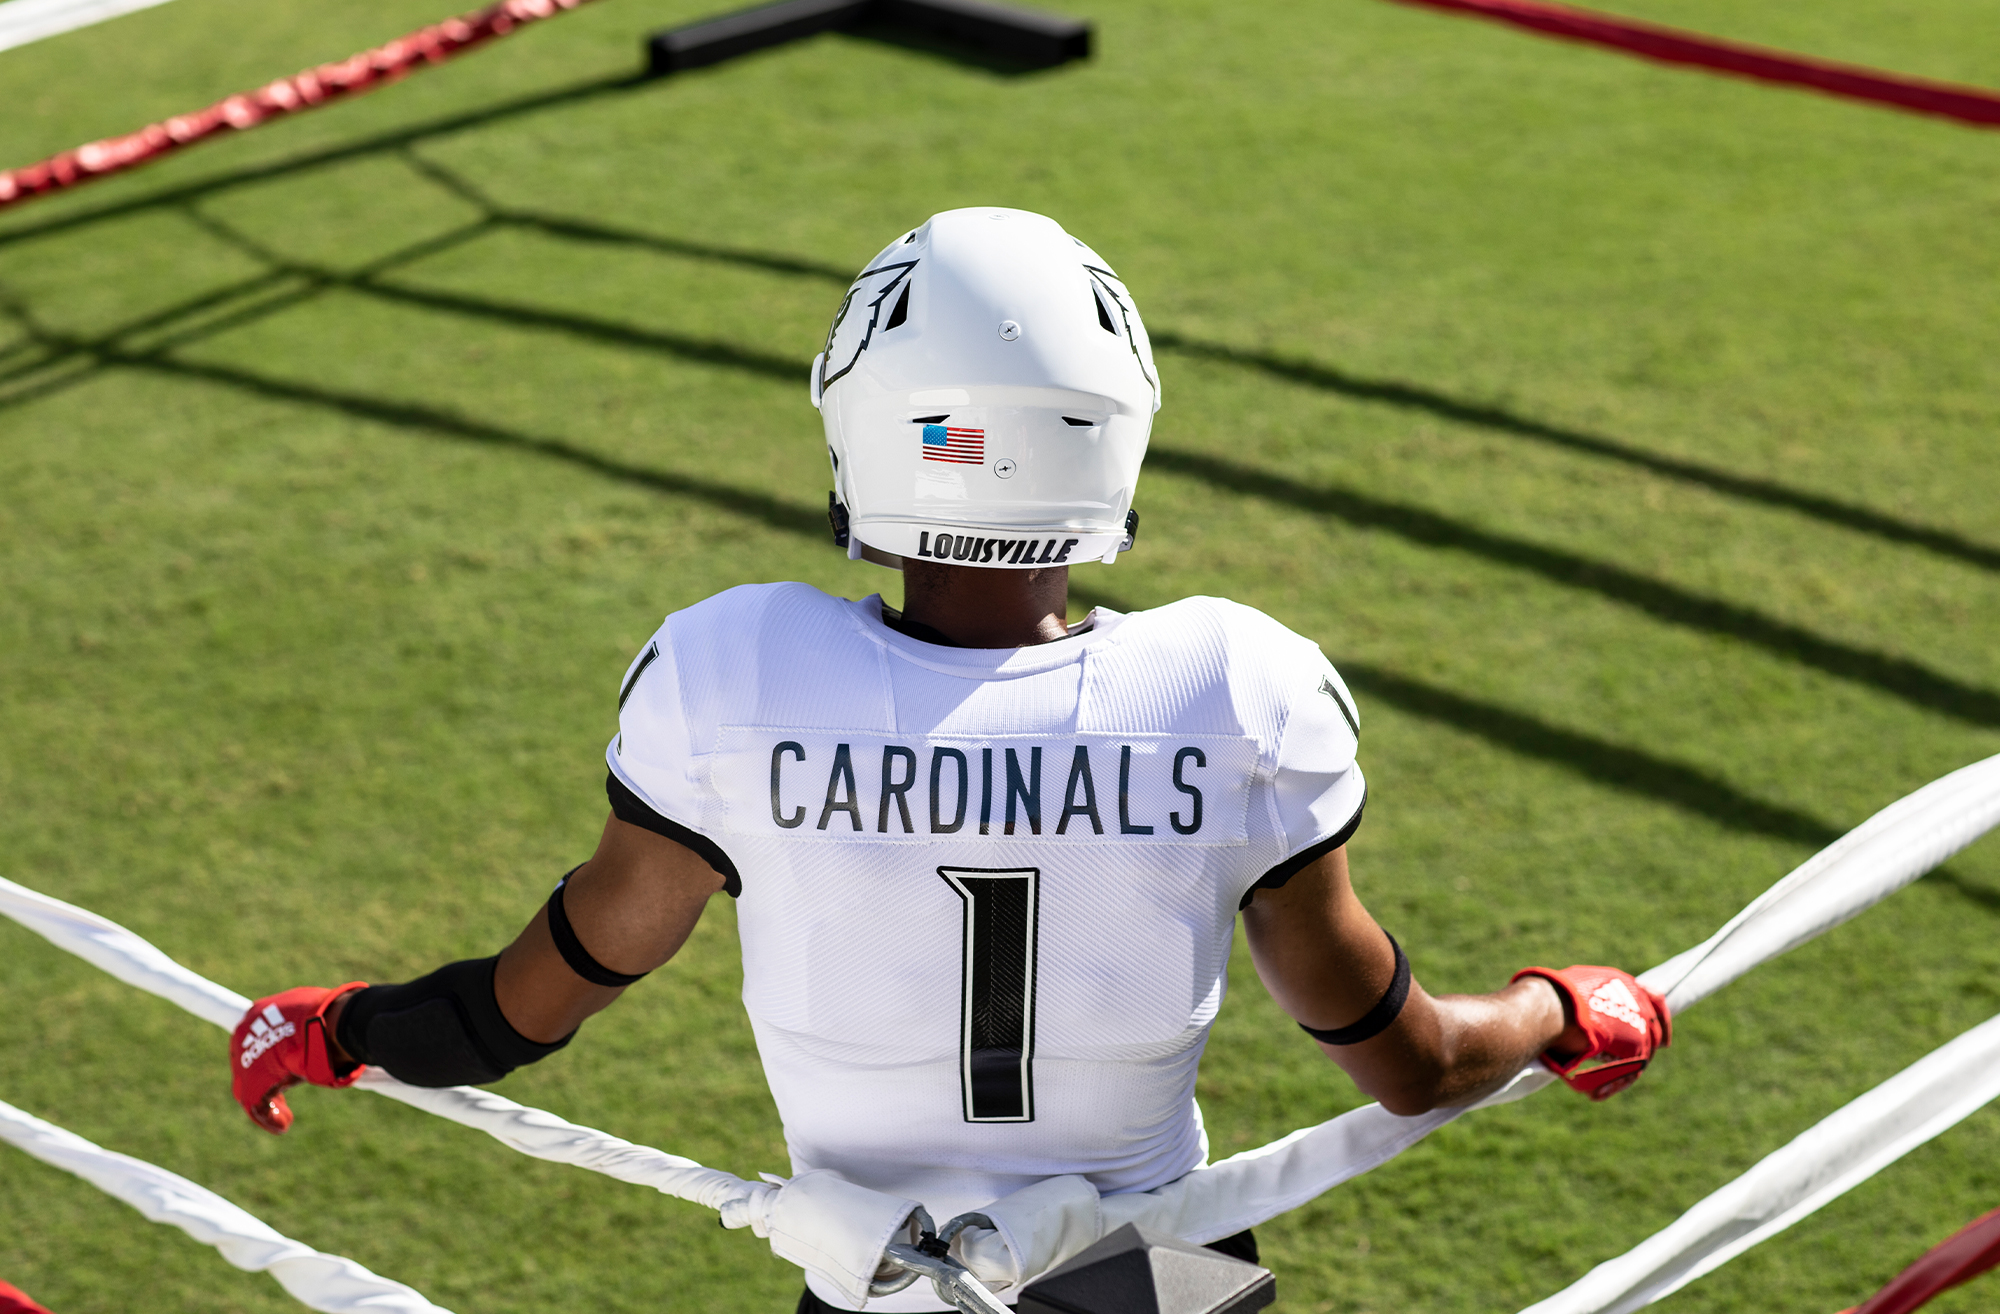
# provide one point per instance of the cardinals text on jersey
(986, 896)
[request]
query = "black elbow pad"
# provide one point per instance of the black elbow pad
(445, 1029)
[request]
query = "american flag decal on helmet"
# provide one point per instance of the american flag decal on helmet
(957, 446)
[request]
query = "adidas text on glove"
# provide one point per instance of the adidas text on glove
(280, 1042)
(1623, 1021)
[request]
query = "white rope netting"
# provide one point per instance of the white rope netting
(320, 1281)
(1894, 847)
(1844, 1150)
(137, 962)
(23, 21)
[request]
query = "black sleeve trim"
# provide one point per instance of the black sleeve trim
(1305, 857)
(1331, 690)
(445, 1029)
(1379, 1018)
(635, 811)
(652, 655)
(579, 958)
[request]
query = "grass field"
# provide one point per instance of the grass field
(1625, 435)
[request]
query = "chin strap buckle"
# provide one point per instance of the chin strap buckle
(836, 515)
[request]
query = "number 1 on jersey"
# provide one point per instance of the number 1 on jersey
(996, 1047)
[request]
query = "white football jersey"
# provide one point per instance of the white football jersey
(986, 897)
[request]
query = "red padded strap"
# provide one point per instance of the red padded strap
(1671, 46)
(1969, 1252)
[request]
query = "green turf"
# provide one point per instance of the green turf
(1624, 433)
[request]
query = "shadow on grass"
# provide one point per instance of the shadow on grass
(1909, 680)
(1830, 510)
(37, 337)
(787, 517)
(1600, 761)
(1972, 892)
(400, 137)
(703, 351)
(1767, 492)
(1901, 677)
(586, 231)
(1628, 769)
(237, 304)
(706, 351)
(1898, 676)
(561, 227)
(271, 292)
(286, 284)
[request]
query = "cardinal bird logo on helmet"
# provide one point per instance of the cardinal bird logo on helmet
(862, 314)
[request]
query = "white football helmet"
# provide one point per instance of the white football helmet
(987, 389)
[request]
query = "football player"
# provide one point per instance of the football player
(987, 863)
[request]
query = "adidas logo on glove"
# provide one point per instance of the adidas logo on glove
(281, 1040)
(1622, 1021)
(265, 1031)
(1613, 999)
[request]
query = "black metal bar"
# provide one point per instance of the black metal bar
(1026, 37)
(717, 39)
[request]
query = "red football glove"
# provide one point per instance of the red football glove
(280, 1042)
(13, 1300)
(1624, 1022)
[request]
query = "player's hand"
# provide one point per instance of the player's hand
(1024, 1235)
(280, 1042)
(830, 1226)
(1621, 1023)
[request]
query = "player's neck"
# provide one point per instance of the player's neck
(975, 608)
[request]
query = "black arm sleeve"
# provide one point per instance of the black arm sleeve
(445, 1029)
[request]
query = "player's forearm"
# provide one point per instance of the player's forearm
(1486, 1039)
(1453, 1050)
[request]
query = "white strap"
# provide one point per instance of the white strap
(1854, 873)
(321, 1281)
(22, 21)
(1847, 1148)
(831, 1227)
(531, 1131)
(105, 944)
(1885, 853)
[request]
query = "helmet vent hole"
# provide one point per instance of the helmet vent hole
(902, 310)
(1103, 315)
(1075, 423)
(930, 419)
